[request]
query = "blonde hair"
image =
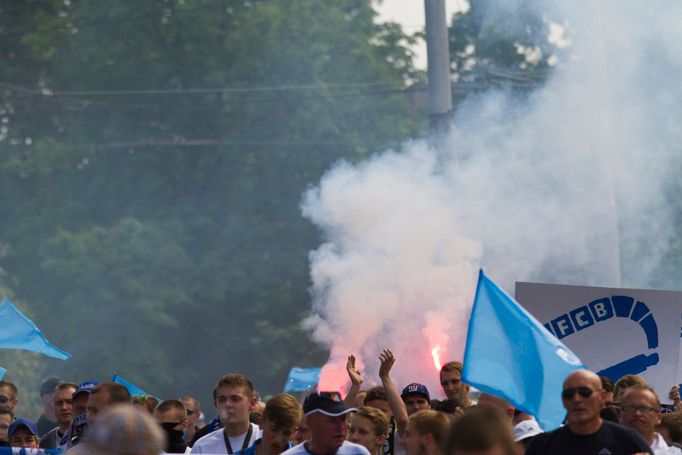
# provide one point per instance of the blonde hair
(283, 411)
(377, 417)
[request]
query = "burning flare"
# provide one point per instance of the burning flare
(435, 353)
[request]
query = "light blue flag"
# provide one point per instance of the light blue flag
(132, 388)
(302, 379)
(511, 355)
(2, 372)
(19, 332)
(19, 451)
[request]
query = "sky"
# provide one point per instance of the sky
(410, 14)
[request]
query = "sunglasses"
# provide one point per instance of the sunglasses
(584, 392)
(190, 411)
(168, 426)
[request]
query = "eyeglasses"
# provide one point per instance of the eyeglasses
(568, 394)
(4, 399)
(190, 411)
(641, 409)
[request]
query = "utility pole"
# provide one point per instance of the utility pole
(438, 55)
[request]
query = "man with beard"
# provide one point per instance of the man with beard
(63, 411)
(586, 432)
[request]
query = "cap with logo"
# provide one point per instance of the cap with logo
(415, 389)
(526, 429)
(85, 387)
(29, 424)
(325, 403)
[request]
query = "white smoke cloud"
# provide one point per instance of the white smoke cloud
(564, 186)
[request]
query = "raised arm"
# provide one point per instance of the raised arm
(355, 382)
(394, 400)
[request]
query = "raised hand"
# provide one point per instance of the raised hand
(353, 373)
(387, 361)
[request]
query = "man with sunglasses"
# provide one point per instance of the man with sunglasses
(585, 432)
(172, 416)
(193, 408)
(640, 410)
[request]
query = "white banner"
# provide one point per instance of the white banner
(613, 331)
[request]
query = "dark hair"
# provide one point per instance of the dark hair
(117, 392)
(376, 393)
(480, 429)
(49, 385)
(448, 406)
(173, 405)
(610, 413)
(607, 384)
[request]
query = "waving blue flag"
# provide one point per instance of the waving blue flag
(132, 388)
(19, 451)
(2, 372)
(302, 379)
(511, 355)
(19, 332)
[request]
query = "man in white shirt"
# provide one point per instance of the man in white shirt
(326, 416)
(233, 397)
(640, 410)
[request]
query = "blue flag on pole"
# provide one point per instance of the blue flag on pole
(2, 372)
(21, 451)
(302, 379)
(511, 355)
(132, 388)
(19, 332)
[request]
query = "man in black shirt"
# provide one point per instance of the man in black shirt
(586, 433)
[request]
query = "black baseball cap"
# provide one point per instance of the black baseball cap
(327, 403)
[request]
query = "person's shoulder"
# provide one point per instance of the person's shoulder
(625, 434)
(208, 441)
(540, 441)
(295, 450)
(351, 448)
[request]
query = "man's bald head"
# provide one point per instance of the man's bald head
(584, 375)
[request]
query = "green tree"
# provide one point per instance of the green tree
(153, 163)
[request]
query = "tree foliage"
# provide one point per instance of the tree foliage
(153, 158)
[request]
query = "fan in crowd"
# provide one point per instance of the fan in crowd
(93, 418)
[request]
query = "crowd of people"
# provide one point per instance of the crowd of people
(602, 418)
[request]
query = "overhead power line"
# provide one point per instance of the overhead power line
(203, 90)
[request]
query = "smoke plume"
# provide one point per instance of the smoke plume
(567, 185)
